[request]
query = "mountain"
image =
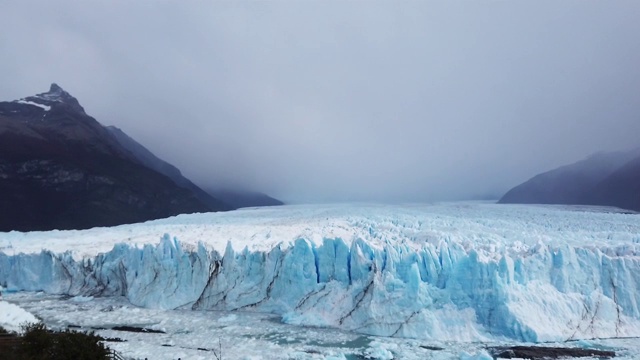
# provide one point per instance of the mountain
(244, 198)
(621, 188)
(148, 159)
(230, 199)
(61, 169)
(607, 179)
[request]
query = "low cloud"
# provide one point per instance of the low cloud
(336, 101)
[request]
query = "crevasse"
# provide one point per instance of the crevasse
(441, 291)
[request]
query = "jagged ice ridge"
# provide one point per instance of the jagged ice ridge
(462, 272)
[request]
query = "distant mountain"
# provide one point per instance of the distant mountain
(148, 159)
(242, 199)
(61, 169)
(229, 199)
(621, 188)
(607, 179)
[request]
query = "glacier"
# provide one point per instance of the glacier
(443, 272)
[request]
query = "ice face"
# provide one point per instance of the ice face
(462, 272)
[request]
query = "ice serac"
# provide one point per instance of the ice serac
(442, 291)
(439, 273)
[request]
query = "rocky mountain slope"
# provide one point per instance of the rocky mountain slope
(608, 179)
(244, 198)
(147, 158)
(621, 188)
(61, 169)
(229, 198)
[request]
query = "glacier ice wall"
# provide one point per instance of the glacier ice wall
(441, 291)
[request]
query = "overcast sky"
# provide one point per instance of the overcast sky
(342, 100)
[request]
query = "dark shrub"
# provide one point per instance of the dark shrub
(38, 343)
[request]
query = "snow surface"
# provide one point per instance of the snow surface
(440, 272)
(488, 228)
(44, 107)
(12, 317)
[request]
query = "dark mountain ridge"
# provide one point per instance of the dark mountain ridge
(244, 198)
(147, 158)
(621, 188)
(229, 198)
(61, 169)
(604, 179)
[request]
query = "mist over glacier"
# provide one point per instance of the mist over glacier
(320, 101)
(448, 272)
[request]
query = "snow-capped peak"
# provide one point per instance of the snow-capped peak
(55, 95)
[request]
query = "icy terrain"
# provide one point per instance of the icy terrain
(447, 272)
(12, 317)
(241, 335)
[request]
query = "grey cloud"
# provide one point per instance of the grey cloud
(329, 101)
